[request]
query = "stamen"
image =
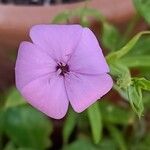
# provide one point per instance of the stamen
(64, 68)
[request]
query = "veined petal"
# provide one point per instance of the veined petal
(84, 90)
(32, 63)
(88, 57)
(48, 95)
(57, 40)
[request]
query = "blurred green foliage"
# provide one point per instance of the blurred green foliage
(25, 127)
(95, 119)
(112, 123)
(143, 7)
(110, 37)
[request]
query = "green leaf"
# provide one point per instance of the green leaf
(22, 148)
(135, 99)
(143, 7)
(11, 146)
(143, 144)
(94, 115)
(88, 12)
(142, 47)
(2, 127)
(27, 127)
(113, 114)
(69, 125)
(83, 122)
(107, 144)
(81, 144)
(63, 17)
(122, 74)
(129, 29)
(86, 144)
(14, 98)
(136, 61)
(2, 121)
(122, 91)
(125, 49)
(84, 21)
(110, 37)
(83, 14)
(118, 137)
(142, 83)
(127, 88)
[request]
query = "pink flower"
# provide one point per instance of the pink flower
(63, 64)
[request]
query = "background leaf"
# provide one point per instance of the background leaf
(69, 125)
(121, 73)
(126, 49)
(142, 83)
(94, 115)
(136, 61)
(110, 37)
(28, 128)
(82, 144)
(135, 99)
(14, 98)
(142, 47)
(88, 12)
(86, 144)
(11, 146)
(63, 17)
(112, 114)
(143, 7)
(117, 137)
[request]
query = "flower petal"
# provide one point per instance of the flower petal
(32, 63)
(58, 40)
(48, 95)
(88, 57)
(84, 90)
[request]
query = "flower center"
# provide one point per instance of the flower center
(63, 68)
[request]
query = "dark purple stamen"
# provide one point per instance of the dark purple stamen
(64, 68)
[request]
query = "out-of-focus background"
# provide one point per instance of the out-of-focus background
(117, 126)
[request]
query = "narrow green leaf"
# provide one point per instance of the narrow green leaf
(142, 47)
(95, 119)
(118, 137)
(136, 61)
(143, 7)
(135, 99)
(69, 125)
(125, 49)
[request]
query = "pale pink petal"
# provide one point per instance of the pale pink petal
(48, 95)
(84, 90)
(31, 64)
(57, 40)
(88, 57)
